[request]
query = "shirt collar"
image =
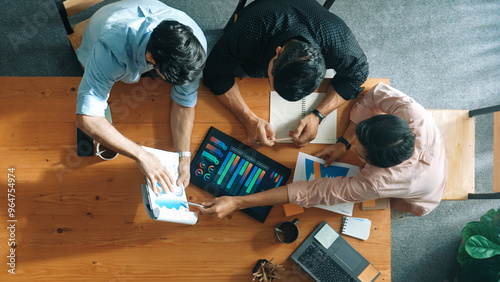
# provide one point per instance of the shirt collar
(141, 52)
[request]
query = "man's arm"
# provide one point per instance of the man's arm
(259, 130)
(307, 129)
(181, 123)
(223, 206)
(103, 132)
(336, 151)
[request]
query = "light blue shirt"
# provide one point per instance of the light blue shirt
(114, 48)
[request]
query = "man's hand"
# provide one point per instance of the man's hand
(184, 171)
(331, 153)
(154, 171)
(260, 132)
(220, 206)
(306, 130)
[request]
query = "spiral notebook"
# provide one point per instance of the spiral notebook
(356, 227)
(285, 116)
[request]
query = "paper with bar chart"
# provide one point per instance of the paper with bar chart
(225, 166)
(310, 167)
(170, 206)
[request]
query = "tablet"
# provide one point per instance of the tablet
(223, 166)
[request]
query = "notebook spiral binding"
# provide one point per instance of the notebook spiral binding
(344, 220)
(304, 107)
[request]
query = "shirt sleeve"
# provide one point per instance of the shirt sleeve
(384, 99)
(186, 95)
(101, 72)
(240, 42)
(348, 60)
(331, 191)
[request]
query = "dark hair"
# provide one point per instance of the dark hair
(387, 139)
(298, 70)
(178, 54)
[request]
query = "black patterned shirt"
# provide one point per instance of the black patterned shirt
(264, 25)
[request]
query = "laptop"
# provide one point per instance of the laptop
(326, 256)
(223, 166)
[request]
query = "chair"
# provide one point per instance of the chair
(68, 8)
(496, 152)
(241, 4)
(458, 130)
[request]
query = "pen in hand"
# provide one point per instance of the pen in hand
(283, 139)
(197, 205)
(279, 140)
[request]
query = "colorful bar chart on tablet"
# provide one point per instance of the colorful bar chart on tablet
(225, 166)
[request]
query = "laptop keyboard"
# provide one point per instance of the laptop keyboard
(318, 262)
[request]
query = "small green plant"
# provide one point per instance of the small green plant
(479, 252)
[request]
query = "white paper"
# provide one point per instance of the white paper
(356, 227)
(285, 116)
(326, 236)
(304, 171)
(170, 206)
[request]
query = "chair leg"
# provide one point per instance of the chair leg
(483, 111)
(328, 4)
(484, 196)
(64, 16)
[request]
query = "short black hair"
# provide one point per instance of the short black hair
(178, 54)
(387, 139)
(298, 70)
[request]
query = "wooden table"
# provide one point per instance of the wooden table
(83, 218)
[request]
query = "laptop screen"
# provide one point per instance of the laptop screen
(223, 166)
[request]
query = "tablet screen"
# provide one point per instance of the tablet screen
(223, 166)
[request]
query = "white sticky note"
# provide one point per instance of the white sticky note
(326, 236)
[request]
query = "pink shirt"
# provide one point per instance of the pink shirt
(415, 186)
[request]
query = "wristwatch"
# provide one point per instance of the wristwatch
(345, 142)
(318, 114)
(186, 154)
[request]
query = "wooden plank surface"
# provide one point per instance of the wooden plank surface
(458, 133)
(76, 6)
(75, 38)
(496, 153)
(83, 218)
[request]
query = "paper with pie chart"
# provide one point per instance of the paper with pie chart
(170, 206)
(310, 167)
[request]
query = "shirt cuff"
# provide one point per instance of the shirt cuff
(221, 86)
(90, 105)
(345, 89)
(183, 99)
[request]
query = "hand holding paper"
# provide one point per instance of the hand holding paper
(332, 153)
(169, 205)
